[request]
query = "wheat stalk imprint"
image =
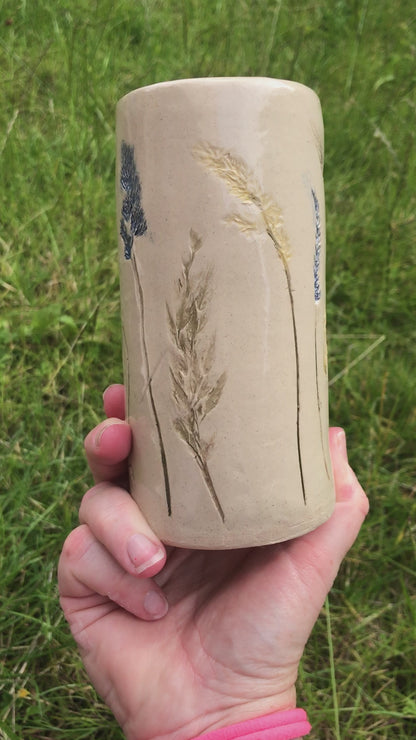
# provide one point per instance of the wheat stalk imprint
(133, 224)
(266, 217)
(196, 391)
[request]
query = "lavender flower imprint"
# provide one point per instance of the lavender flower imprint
(242, 183)
(317, 295)
(132, 224)
(195, 391)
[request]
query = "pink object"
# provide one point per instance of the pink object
(287, 725)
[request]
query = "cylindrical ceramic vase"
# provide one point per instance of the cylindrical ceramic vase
(222, 244)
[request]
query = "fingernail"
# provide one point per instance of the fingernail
(347, 478)
(155, 604)
(143, 553)
(342, 444)
(107, 389)
(103, 428)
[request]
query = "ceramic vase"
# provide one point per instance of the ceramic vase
(222, 266)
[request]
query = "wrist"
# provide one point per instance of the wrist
(246, 712)
(289, 724)
(208, 719)
(238, 714)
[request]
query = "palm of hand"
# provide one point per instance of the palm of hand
(232, 638)
(229, 646)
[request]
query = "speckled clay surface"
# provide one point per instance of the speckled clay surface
(222, 262)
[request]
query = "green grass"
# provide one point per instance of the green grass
(63, 65)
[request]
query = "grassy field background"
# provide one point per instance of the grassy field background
(63, 65)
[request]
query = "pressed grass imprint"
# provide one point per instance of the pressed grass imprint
(196, 390)
(317, 296)
(133, 224)
(242, 183)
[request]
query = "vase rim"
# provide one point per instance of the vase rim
(230, 81)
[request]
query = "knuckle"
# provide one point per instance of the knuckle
(103, 501)
(76, 544)
(89, 497)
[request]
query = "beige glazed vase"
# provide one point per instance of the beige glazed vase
(222, 244)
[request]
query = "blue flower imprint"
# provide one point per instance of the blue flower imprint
(317, 255)
(317, 294)
(132, 224)
(133, 221)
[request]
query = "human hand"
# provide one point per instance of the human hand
(179, 642)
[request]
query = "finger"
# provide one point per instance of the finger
(114, 401)
(117, 523)
(87, 569)
(107, 448)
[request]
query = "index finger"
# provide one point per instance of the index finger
(107, 448)
(114, 401)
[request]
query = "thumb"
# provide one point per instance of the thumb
(325, 548)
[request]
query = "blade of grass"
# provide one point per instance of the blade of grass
(357, 360)
(332, 669)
